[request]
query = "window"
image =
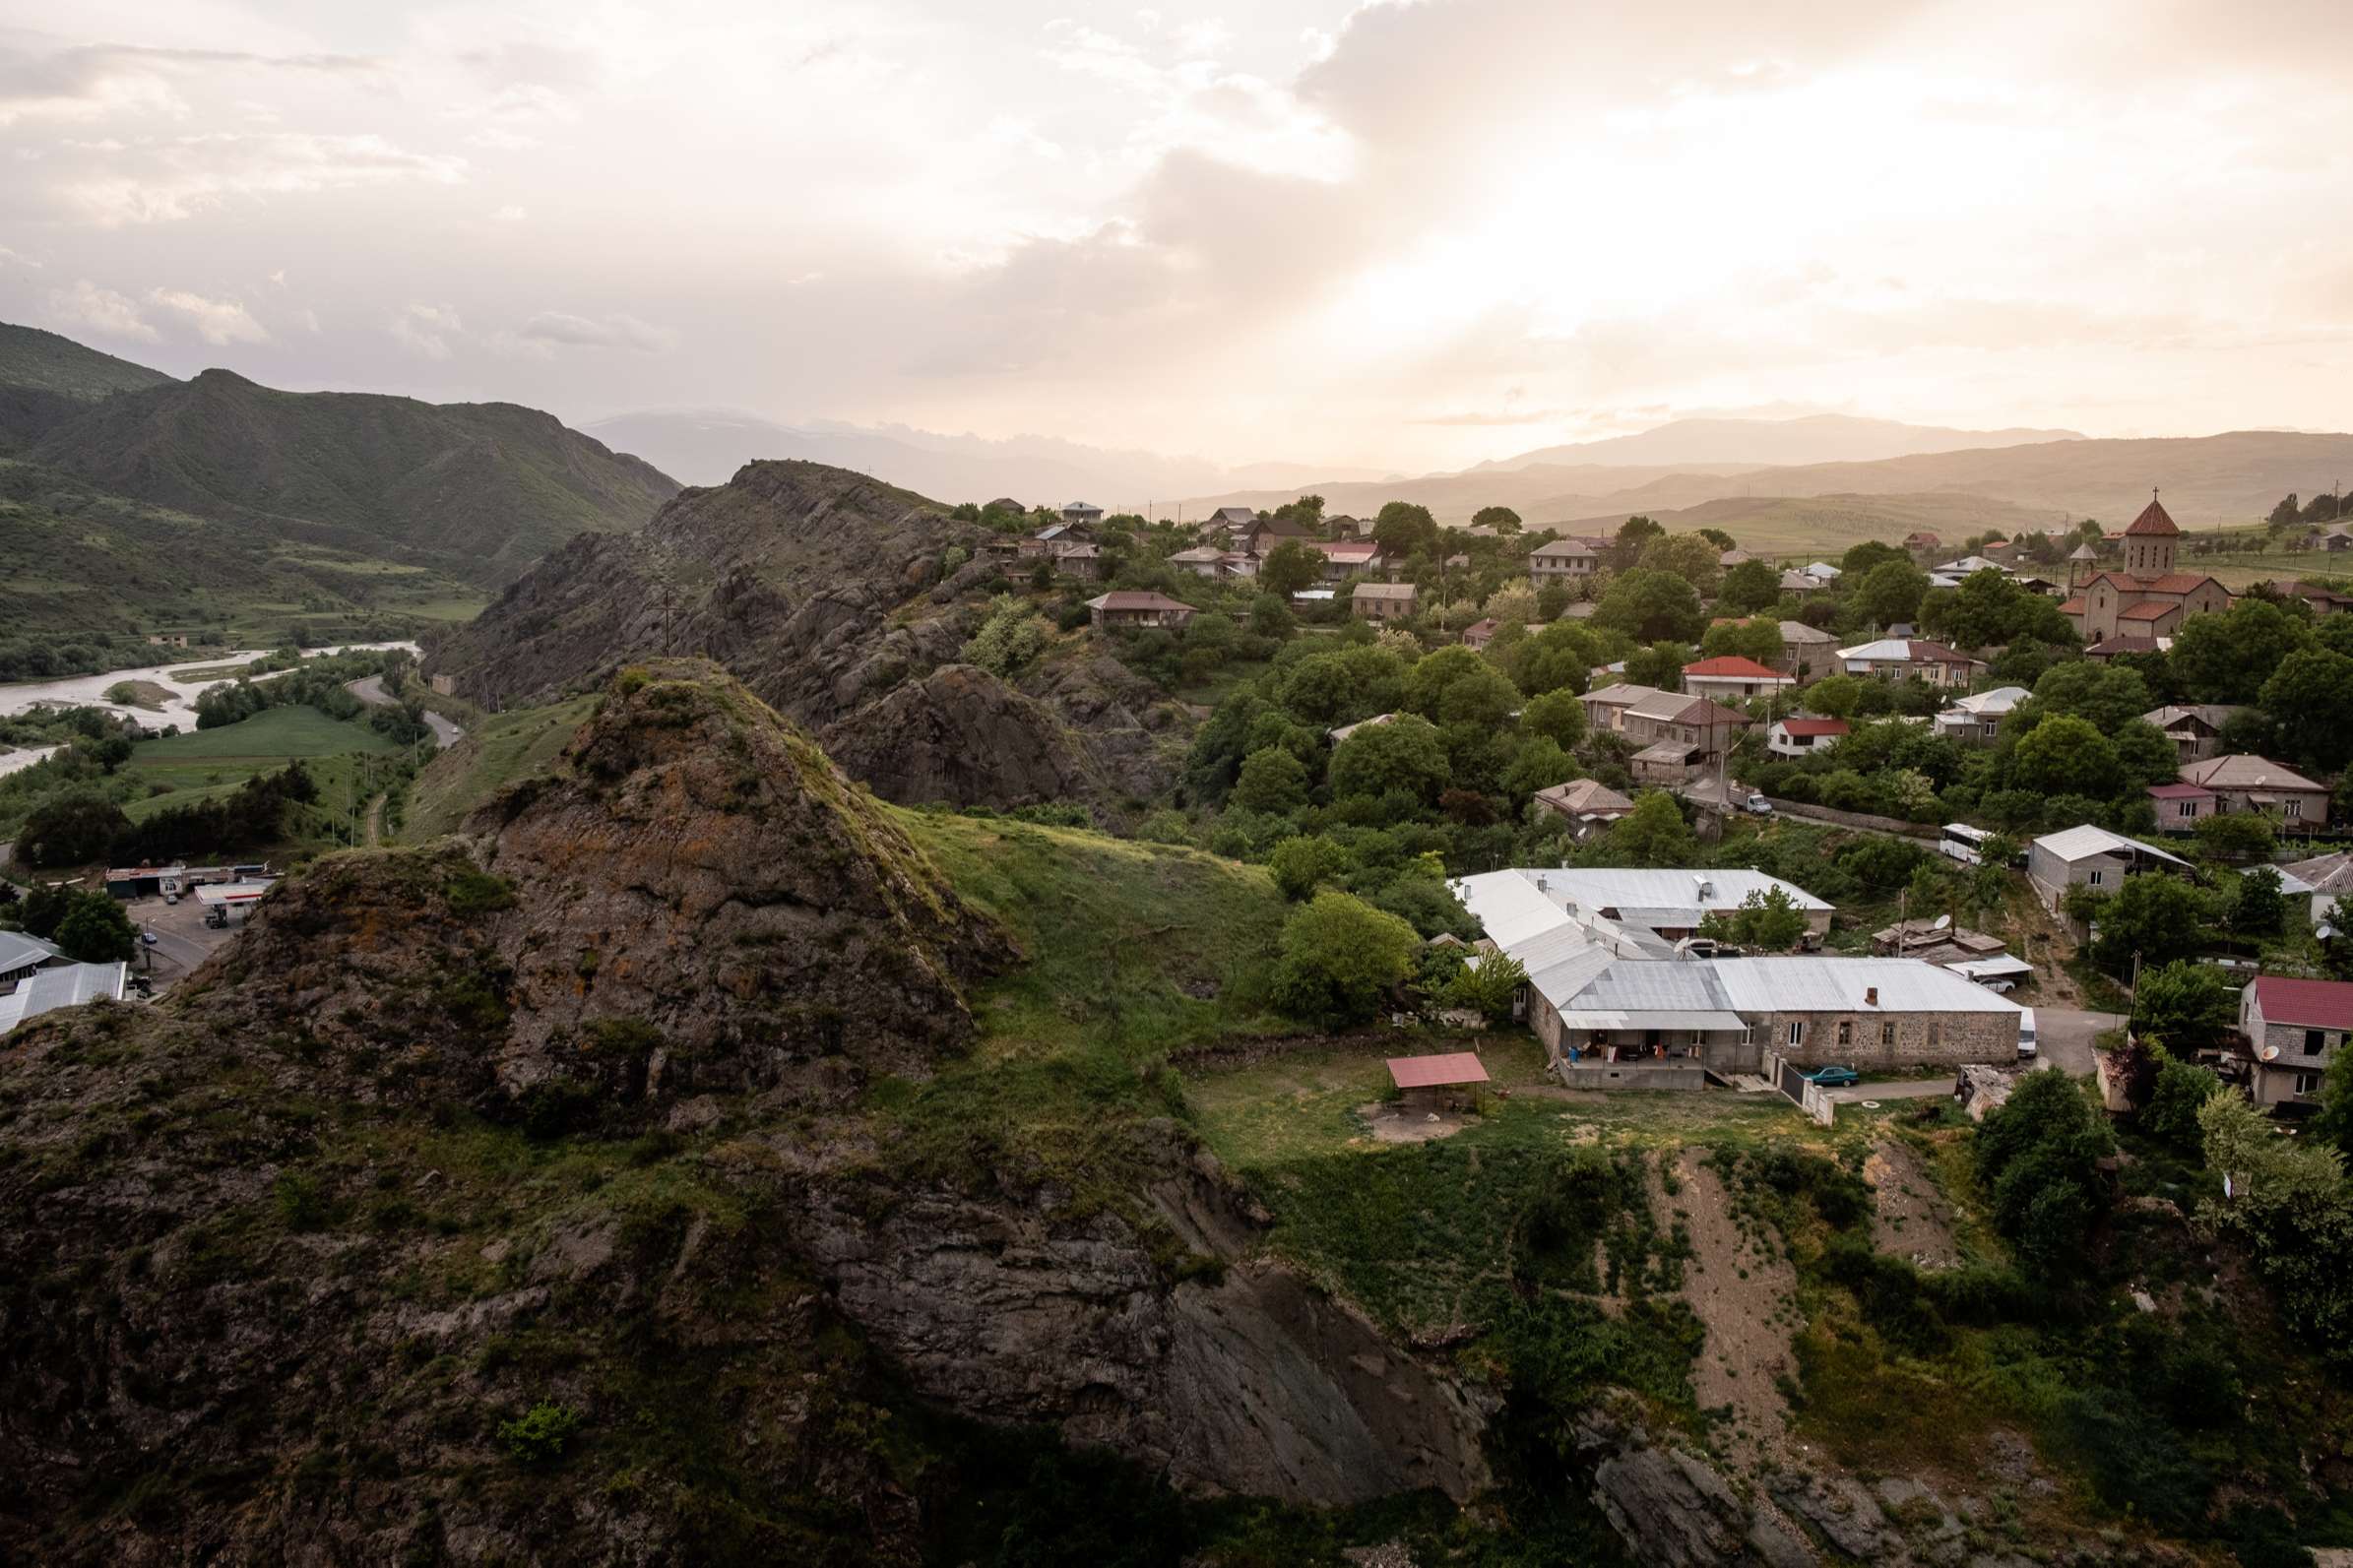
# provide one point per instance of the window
(2294, 809)
(1846, 1032)
(2188, 808)
(1888, 1032)
(2314, 1041)
(1797, 1032)
(2305, 1083)
(1935, 1031)
(2094, 879)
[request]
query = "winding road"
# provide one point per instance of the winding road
(369, 689)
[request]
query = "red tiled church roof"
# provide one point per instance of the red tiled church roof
(2152, 520)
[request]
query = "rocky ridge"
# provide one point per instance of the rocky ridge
(504, 1199)
(833, 598)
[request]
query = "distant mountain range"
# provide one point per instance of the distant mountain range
(1758, 442)
(707, 447)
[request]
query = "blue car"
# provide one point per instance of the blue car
(1834, 1077)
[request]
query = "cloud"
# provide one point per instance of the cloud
(425, 330)
(14, 258)
(94, 80)
(90, 308)
(158, 180)
(217, 321)
(559, 329)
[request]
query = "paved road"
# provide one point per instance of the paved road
(369, 689)
(2064, 1037)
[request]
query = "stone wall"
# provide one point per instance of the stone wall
(1922, 1039)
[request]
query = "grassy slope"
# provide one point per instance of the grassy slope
(46, 362)
(477, 490)
(77, 559)
(504, 748)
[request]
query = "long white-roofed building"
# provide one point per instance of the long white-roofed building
(1619, 999)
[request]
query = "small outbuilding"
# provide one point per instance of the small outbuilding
(1437, 1083)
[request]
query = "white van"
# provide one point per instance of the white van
(2027, 1040)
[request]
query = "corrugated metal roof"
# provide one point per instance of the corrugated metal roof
(1647, 888)
(2315, 1004)
(1835, 984)
(2084, 842)
(20, 948)
(67, 986)
(1434, 1072)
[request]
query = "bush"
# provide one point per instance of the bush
(96, 930)
(1302, 865)
(539, 1436)
(1340, 959)
(2038, 1158)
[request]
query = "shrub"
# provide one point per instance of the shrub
(539, 1436)
(472, 893)
(1340, 959)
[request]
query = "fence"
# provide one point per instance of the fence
(1802, 1091)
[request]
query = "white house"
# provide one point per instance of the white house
(1977, 719)
(2094, 858)
(1730, 678)
(1801, 736)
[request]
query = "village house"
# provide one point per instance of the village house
(1587, 804)
(1342, 561)
(168, 639)
(1079, 559)
(1922, 541)
(2319, 600)
(1231, 519)
(2329, 877)
(1799, 583)
(2093, 857)
(1569, 560)
(23, 955)
(2181, 807)
(2293, 1028)
(1382, 602)
(2244, 783)
(1734, 676)
(1483, 632)
(1202, 560)
(1905, 658)
(1606, 705)
(2195, 730)
(2148, 597)
(1806, 649)
(1082, 515)
(1345, 526)
(1130, 607)
(1802, 735)
(1263, 535)
(1618, 1001)
(1976, 719)
(1704, 728)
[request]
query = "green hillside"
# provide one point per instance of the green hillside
(476, 490)
(44, 362)
(76, 561)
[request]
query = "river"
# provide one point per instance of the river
(90, 691)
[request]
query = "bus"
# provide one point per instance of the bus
(1963, 843)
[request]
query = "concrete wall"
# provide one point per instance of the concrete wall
(1632, 1075)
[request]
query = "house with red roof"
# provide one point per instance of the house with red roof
(1801, 736)
(2181, 807)
(2148, 597)
(2294, 1029)
(1733, 677)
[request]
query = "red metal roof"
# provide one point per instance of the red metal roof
(2316, 1004)
(1815, 726)
(1436, 1071)
(2073, 606)
(2152, 520)
(1734, 664)
(2180, 791)
(2146, 611)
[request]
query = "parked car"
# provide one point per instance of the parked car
(2027, 1044)
(1834, 1077)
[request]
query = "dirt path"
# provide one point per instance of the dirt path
(375, 821)
(1744, 1294)
(1911, 1218)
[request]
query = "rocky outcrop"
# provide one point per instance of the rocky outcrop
(822, 591)
(512, 1200)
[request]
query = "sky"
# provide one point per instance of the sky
(1397, 235)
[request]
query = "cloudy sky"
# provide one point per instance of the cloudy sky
(1395, 235)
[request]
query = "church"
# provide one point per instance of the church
(2148, 597)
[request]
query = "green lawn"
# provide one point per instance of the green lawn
(276, 734)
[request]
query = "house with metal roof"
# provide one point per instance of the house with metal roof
(2293, 1029)
(2327, 879)
(1384, 601)
(1900, 658)
(1804, 650)
(2248, 782)
(2093, 857)
(1133, 607)
(67, 985)
(1569, 560)
(1976, 719)
(2194, 728)
(23, 955)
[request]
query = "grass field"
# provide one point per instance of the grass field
(275, 734)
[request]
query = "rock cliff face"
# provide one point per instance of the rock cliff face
(509, 1200)
(822, 590)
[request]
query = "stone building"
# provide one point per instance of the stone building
(2294, 1029)
(2148, 597)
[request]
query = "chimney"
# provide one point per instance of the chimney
(1870, 997)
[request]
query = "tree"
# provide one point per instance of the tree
(1288, 568)
(1660, 664)
(2333, 1125)
(1750, 587)
(2186, 1006)
(1653, 834)
(1502, 518)
(1539, 764)
(1860, 559)
(2290, 1201)
(1404, 756)
(76, 830)
(2105, 695)
(2236, 836)
(96, 930)
(2283, 514)
(1652, 607)
(1340, 959)
(1759, 640)
(2066, 756)
(1689, 556)
(1011, 636)
(1301, 865)
(1403, 529)
(2260, 907)
(1767, 919)
(1557, 715)
(1489, 988)
(2226, 657)
(2310, 697)
(1273, 782)
(1889, 592)
(1456, 686)
(1561, 658)
(1633, 535)
(2180, 1090)
(2160, 918)
(2038, 1158)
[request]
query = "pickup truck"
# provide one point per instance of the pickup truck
(1834, 1077)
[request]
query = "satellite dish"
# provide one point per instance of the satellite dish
(1943, 920)
(2271, 1053)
